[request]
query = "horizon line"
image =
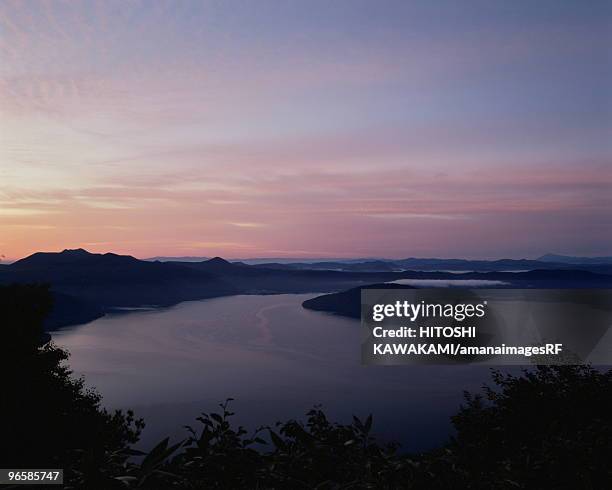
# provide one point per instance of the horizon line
(313, 258)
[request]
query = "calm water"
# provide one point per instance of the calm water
(274, 357)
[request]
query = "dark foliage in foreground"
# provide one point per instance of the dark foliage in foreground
(551, 427)
(47, 418)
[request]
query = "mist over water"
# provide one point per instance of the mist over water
(447, 283)
(270, 354)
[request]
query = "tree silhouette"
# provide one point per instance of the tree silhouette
(48, 418)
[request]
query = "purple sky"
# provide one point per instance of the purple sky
(312, 129)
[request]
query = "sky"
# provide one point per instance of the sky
(475, 129)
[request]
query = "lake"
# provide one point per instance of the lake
(274, 357)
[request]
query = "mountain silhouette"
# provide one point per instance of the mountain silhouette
(85, 282)
(218, 265)
(435, 264)
(346, 303)
(567, 259)
(86, 285)
(67, 255)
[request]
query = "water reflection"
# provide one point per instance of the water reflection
(274, 357)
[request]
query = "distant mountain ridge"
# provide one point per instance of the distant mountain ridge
(568, 259)
(259, 260)
(86, 282)
(87, 285)
(69, 257)
(546, 261)
(176, 259)
(449, 265)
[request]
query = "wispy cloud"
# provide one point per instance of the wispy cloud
(248, 225)
(411, 216)
(153, 127)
